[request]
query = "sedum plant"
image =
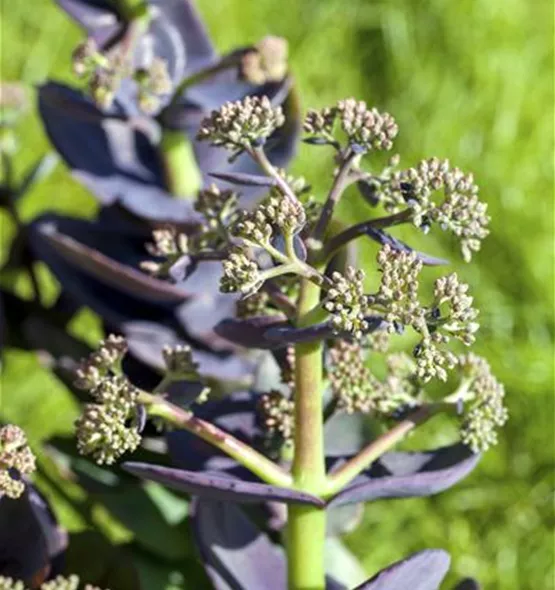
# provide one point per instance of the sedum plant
(298, 293)
(242, 335)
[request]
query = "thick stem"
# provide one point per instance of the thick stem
(267, 470)
(306, 525)
(183, 178)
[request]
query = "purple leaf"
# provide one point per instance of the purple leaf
(97, 17)
(249, 333)
(409, 474)
(29, 536)
(120, 276)
(113, 157)
(219, 486)
(422, 571)
(235, 553)
(384, 238)
(146, 340)
(244, 179)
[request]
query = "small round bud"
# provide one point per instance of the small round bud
(320, 122)
(11, 584)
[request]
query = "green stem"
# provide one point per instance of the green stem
(349, 470)
(183, 178)
(250, 458)
(307, 524)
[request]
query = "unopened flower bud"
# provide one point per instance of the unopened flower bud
(267, 62)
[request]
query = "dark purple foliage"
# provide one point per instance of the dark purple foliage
(31, 543)
(422, 571)
(409, 474)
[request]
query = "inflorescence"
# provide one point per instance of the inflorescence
(58, 583)
(280, 241)
(16, 460)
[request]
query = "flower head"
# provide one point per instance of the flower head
(179, 362)
(98, 364)
(266, 62)
(240, 273)
(367, 128)
(346, 302)
(108, 429)
(16, 460)
(240, 125)
(277, 415)
(486, 411)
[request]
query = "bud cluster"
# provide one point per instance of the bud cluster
(107, 358)
(105, 72)
(240, 273)
(266, 62)
(367, 128)
(398, 290)
(346, 302)
(217, 206)
(242, 124)
(16, 460)
(168, 244)
(109, 428)
(277, 415)
(461, 211)
(258, 304)
(357, 389)
(11, 584)
(153, 83)
(179, 362)
(486, 412)
(320, 122)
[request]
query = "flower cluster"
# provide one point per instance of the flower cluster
(460, 211)
(486, 412)
(16, 460)
(58, 583)
(277, 415)
(320, 123)
(243, 124)
(169, 245)
(240, 273)
(357, 389)
(107, 358)
(397, 294)
(109, 427)
(346, 302)
(266, 62)
(367, 128)
(219, 209)
(105, 72)
(351, 382)
(179, 362)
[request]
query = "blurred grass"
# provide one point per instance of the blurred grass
(472, 81)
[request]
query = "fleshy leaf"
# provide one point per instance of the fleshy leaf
(29, 536)
(250, 332)
(409, 474)
(235, 553)
(422, 571)
(111, 272)
(244, 179)
(113, 157)
(219, 486)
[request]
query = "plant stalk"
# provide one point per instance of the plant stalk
(306, 524)
(250, 458)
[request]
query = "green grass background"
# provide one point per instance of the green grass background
(470, 80)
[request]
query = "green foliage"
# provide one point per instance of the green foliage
(471, 81)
